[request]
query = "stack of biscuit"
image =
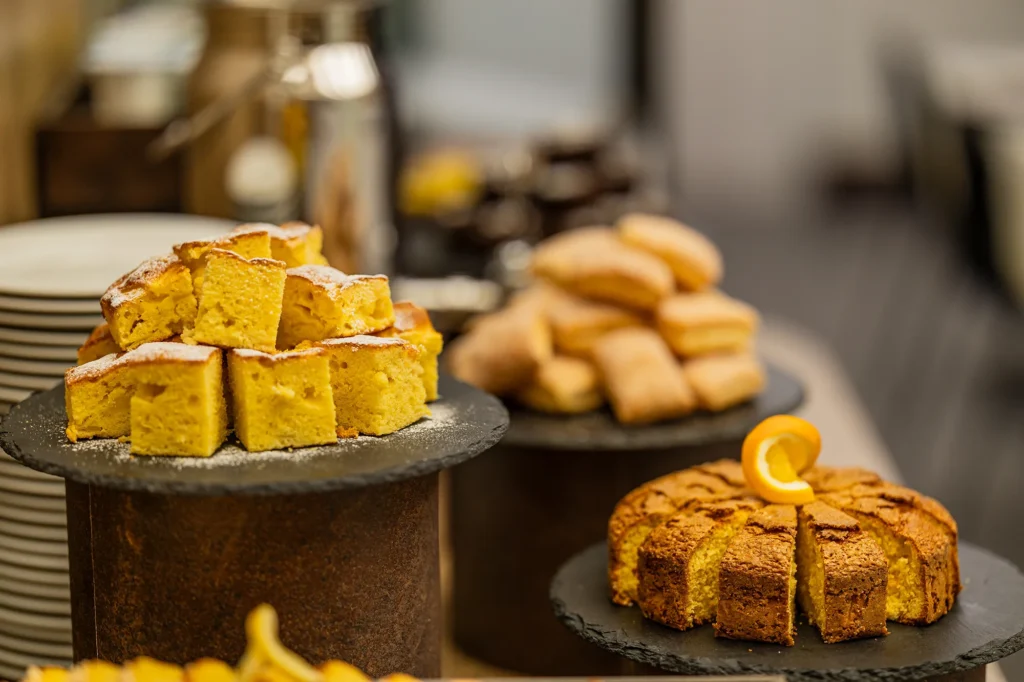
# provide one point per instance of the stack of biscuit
(250, 331)
(628, 314)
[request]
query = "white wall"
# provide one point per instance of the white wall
(752, 89)
(514, 66)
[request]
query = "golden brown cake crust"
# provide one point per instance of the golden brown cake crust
(664, 559)
(755, 585)
(856, 574)
(826, 479)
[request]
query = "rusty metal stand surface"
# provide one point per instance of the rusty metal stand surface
(534, 501)
(169, 564)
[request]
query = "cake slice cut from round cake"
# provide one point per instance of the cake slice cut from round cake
(646, 507)
(757, 579)
(678, 563)
(841, 575)
(919, 539)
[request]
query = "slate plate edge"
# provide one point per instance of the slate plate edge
(352, 482)
(600, 636)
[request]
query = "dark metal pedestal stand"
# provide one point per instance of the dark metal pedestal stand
(985, 625)
(546, 492)
(168, 555)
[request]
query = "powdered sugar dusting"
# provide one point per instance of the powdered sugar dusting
(363, 340)
(158, 351)
(231, 255)
(90, 370)
(281, 355)
(287, 232)
(133, 284)
(438, 426)
(327, 277)
(168, 350)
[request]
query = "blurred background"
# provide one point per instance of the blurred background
(860, 164)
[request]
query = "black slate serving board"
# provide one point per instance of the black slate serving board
(985, 625)
(465, 422)
(599, 430)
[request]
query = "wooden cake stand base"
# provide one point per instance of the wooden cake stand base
(168, 555)
(546, 492)
(985, 625)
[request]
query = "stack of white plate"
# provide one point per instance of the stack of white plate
(52, 274)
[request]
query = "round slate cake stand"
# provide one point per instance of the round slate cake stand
(168, 555)
(985, 625)
(543, 494)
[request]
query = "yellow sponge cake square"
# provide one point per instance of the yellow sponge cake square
(376, 383)
(413, 324)
(248, 241)
(240, 304)
(323, 303)
(178, 405)
(153, 302)
(168, 397)
(281, 400)
(97, 398)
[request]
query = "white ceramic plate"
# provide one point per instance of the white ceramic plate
(58, 322)
(27, 646)
(28, 381)
(9, 543)
(34, 338)
(33, 517)
(35, 488)
(8, 672)
(25, 576)
(54, 592)
(36, 561)
(24, 660)
(31, 531)
(79, 256)
(9, 467)
(50, 306)
(54, 370)
(24, 351)
(32, 620)
(32, 502)
(13, 395)
(48, 607)
(35, 634)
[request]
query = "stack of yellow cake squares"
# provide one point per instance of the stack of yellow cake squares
(250, 331)
(630, 314)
